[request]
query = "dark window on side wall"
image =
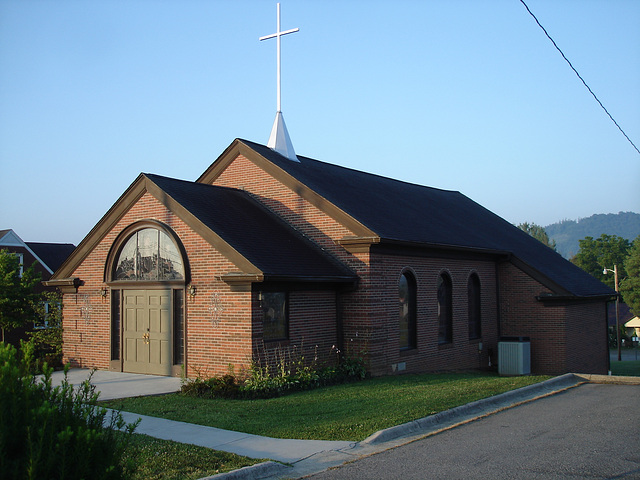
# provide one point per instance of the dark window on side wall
(445, 309)
(115, 324)
(407, 315)
(475, 318)
(276, 321)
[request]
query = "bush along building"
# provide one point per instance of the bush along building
(270, 252)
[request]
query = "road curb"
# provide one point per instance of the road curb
(252, 472)
(609, 379)
(474, 409)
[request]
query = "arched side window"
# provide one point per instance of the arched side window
(407, 293)
(474, 306)
(149, 255)
(445, 309)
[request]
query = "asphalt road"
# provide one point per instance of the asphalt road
(587, 432)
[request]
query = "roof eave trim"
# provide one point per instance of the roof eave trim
(65, 285)
(441, 246)
(239, 281)
(551, 298)
(311, 278)
(362, 244)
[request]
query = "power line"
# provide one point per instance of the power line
(576, 72)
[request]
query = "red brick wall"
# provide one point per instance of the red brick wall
(212, 345)
(587, 344)
(429, 356)
(312, 331)
(564, 338)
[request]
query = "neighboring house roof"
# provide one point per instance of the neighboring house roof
(405, 212)
(53, 254)
(49, 255)
(633, 323)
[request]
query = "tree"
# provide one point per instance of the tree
(47, 340)
(603, 252)
(18, 299)
(539, 233)
(630, 286)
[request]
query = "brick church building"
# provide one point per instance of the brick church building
(265, 252)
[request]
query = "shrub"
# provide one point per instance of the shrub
(289, 374)
(54, 432)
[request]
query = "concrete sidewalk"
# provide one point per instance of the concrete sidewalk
(114, 385)
(305, 457)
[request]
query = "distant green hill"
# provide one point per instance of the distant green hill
(567, 233)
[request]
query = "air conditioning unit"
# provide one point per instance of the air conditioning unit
(514, 356)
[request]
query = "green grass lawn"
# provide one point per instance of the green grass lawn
(627, 368)
(155, 459)
(342, 412)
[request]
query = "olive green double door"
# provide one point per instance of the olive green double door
(146, 332)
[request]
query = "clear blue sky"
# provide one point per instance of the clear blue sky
(460, 95)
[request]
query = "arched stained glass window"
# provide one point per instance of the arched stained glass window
(149, 255)
(407, 301)
(473, 296)
(445, 309)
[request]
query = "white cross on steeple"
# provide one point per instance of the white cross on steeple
(279, 139)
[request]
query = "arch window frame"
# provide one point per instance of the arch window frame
(110, 276)
(444, 297)
(408, 311)
(474, 306)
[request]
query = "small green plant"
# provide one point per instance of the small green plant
(54, 432)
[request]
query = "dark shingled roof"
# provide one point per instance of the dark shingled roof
(52, 254)
(260, 236)
(407, 212)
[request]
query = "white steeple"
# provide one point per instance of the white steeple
(279, 139)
